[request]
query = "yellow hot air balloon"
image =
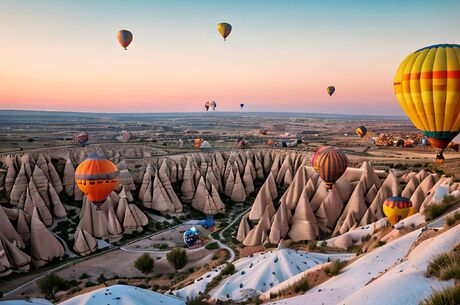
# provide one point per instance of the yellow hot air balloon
(427, 85)
(224, 29)
(396, 208)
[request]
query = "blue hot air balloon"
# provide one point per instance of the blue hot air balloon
(191, 236)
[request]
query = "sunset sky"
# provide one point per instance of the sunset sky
(280, 56)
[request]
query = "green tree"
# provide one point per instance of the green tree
(144, 263)
(50, 284)
(177, 258)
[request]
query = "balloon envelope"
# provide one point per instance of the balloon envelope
(330, 90)
(96, 177)
(241, 106)
(317, 154)
(427, 86)
(191, 236)
(124, 37)
(224, 29)
(82, 138)
(397, 208)
(332, 164)
(361, 131)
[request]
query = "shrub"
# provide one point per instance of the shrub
(435, 210)
(101, 279)
(229, 269)
(84, 276)
(50, 284)
(302, 286)
(144, 263)
(177, 258)
(449, 295)
(312, 245)
(90, 284)
(452, 219)
(212, 246)
(335, 267)
(445, 266)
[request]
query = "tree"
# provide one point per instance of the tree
(50, 284)
(144, 263)
(177, 258)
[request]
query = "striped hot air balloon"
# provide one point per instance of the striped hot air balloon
(96, 177)
(316, 155)
(332, 163)
(396, 208)
(427, 86)
(361, 131)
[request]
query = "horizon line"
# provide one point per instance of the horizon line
(195, 112)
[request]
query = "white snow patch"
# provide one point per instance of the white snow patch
(123, 295)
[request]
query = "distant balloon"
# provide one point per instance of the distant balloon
(332, 164)
(123, 136)
(124, 38)
(96, 177)
(191, 236)
(224, 29)
(241, 106)
(397, 208)
(206, 106)
(361, 131)
(330, 90)
(317, 154)
(82, 138)
(213, 105)
(427, 86)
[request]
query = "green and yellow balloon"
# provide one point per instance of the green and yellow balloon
(427, 86)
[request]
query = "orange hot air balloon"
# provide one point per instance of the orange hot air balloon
(96, 177)
(332, 164)
(124, 38)
(317, 154)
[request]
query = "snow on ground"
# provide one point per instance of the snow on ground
(26, 302)
(123, 295)
(407, 281)
(356, 275)
(199, 285)
(257, 274)
(357, 235)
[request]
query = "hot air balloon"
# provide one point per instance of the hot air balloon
(241, 106)
(82, 138)
(224, 29)
(206, 106)
(213, 105)
(96, 177)
(315, 156)
(361, 131)
(124, 38)
(332, 164)
(427, 86)
(396, 208)
(191, 236)
(123, 136)
(330, 90)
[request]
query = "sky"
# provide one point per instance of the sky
(280, 56)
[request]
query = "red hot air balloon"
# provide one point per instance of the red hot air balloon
(332, 164)
(124, 37)
(96, 177)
